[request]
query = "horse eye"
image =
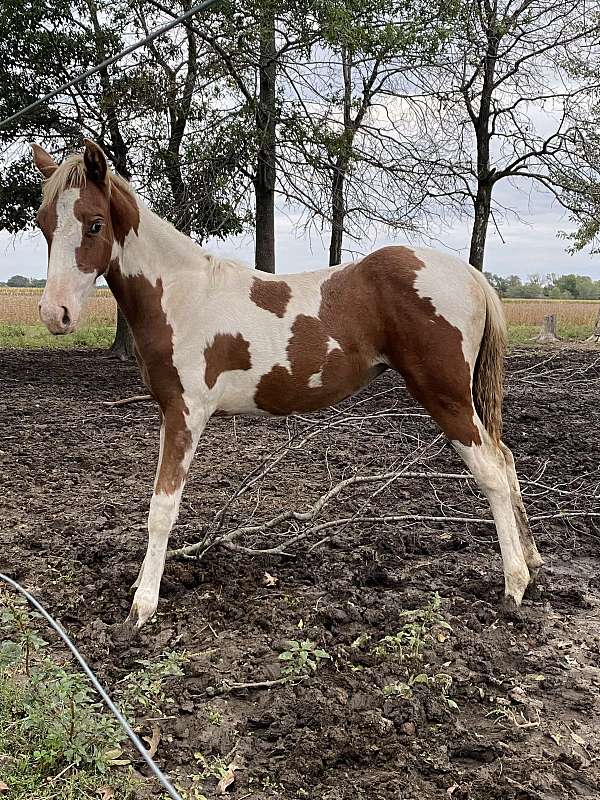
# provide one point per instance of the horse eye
(95, 227)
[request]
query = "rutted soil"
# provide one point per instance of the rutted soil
(76, 479)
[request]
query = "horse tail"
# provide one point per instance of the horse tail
(488, 376)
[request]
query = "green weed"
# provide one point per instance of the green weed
(301, 658)
(417, 631)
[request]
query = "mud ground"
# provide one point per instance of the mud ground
(76, 480)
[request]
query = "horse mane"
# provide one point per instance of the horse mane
(220, 269)
(71, 174)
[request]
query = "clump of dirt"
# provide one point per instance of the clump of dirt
(516, 716)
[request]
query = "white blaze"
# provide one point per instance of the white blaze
(67, 287)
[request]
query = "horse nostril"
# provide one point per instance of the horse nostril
(66, 320)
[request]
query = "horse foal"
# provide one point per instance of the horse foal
(213, 337)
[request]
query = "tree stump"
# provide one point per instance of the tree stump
(548, 330)
(595, 337)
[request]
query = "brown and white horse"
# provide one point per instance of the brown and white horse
(212, 337)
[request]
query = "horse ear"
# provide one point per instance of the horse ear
(43, 160)
(95, 162)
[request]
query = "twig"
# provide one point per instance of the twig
(228, 686)
(136, 398)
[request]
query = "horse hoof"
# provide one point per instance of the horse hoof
(124, 632)
(535, 590)
(510, 610)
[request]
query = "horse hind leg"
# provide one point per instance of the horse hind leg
(450, 404)
(532, 556)
(485, 461)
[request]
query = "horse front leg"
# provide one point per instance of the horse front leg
(178, 441)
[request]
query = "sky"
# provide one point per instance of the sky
(529, 243)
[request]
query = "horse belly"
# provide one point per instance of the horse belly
(282, 391)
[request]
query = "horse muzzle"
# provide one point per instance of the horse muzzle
(58, 319)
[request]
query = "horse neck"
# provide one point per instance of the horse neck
(154, 256)
(157, 249)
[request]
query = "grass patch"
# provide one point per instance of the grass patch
(522, 334)
(20, 336)
(56, 742)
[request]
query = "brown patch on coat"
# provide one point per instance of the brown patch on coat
(140, 302)
(283, 391)
(47, 220)
(372, 309)
(273, 296)
(225, 353)
(124, 213)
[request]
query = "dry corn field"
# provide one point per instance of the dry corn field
(568, 312)
(20, 306)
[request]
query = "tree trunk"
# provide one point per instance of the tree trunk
(482, 124)
(122, 347)
(482, 207)
(180, 104)
(338, 212)
(264, 179)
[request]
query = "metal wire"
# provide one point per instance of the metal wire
(108, 61)
(161, 777)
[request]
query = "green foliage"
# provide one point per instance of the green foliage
(415, 634)
(130, 109)
(423, 626)
(302, 658)
(384, 27)
(55, 740)
(440, 681)
(19, 281)
(213, 715)
(144, 689)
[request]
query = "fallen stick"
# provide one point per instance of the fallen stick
(136, 398)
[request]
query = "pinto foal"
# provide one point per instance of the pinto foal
(212, 336)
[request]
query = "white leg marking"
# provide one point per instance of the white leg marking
(487, 465)
(138, 580)
(163, 513)
(532, 556)
(164, 509)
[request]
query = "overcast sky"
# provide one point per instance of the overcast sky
(530, 243)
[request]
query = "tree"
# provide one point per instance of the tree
(499, 101)
(19, 281)
(347, 140)
(579, 175)
(256, 44)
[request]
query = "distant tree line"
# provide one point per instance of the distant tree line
(554, 287)
(21, 282)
